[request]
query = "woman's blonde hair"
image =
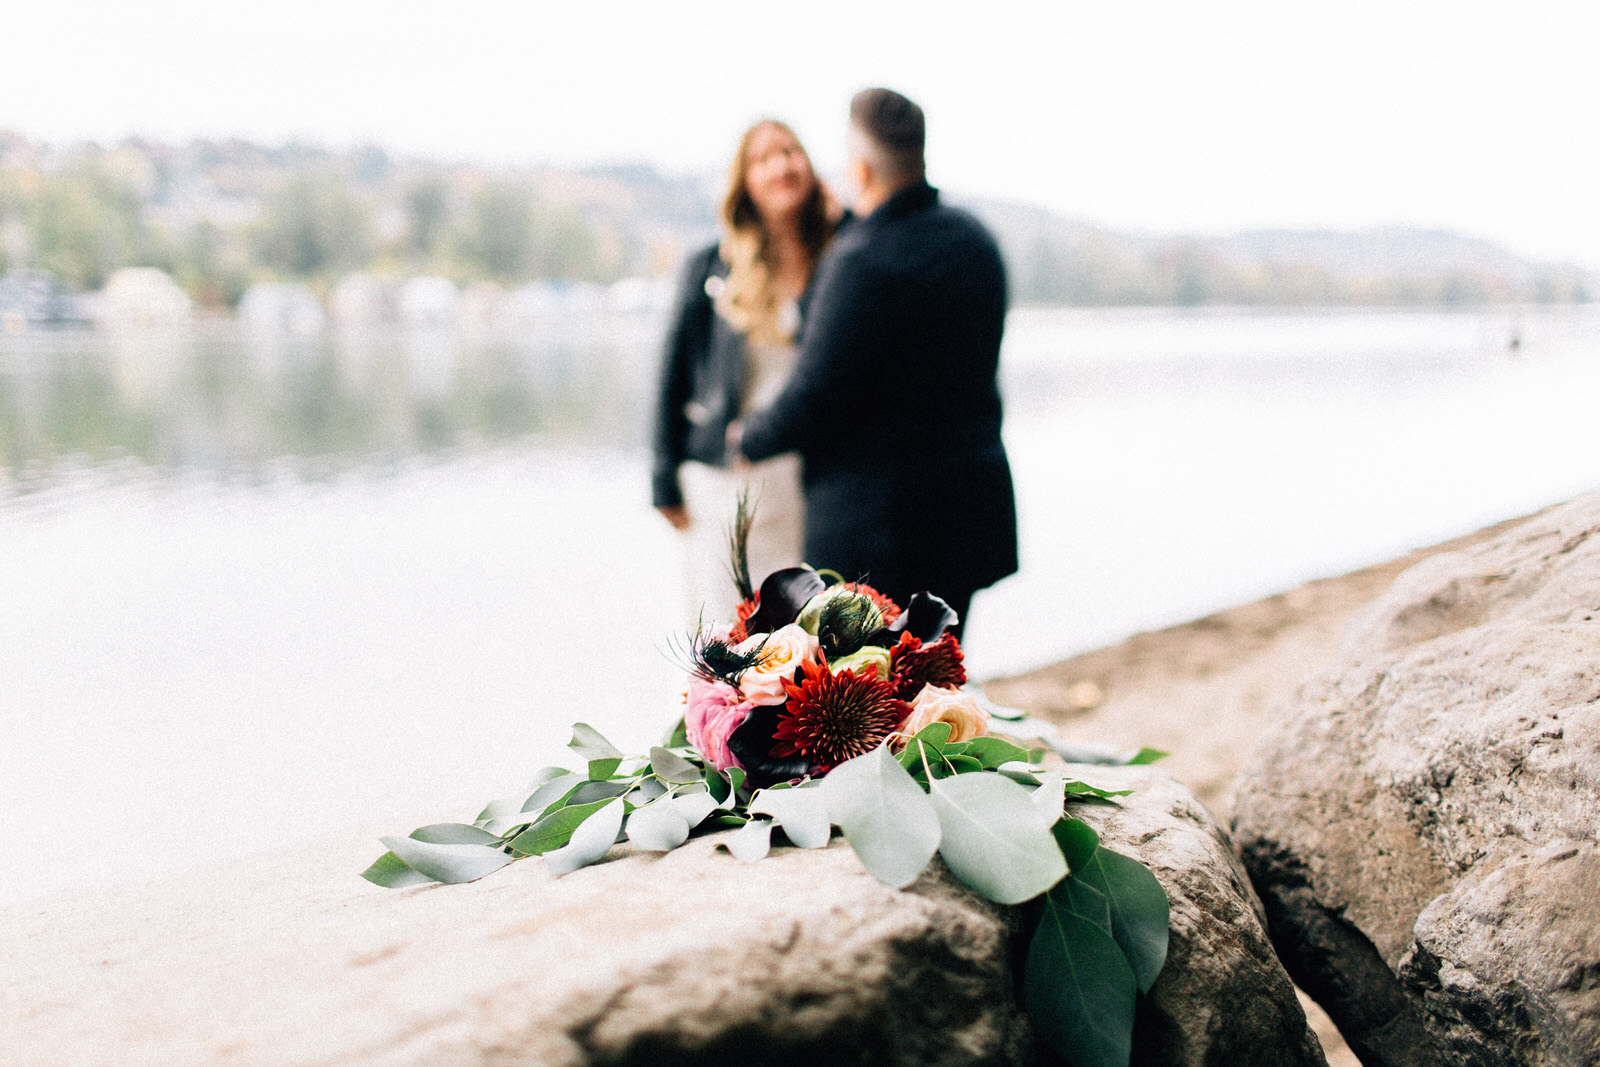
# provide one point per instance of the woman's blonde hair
(749, 298)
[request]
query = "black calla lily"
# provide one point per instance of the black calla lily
(926, 618)
(782, 596)
(752, 744)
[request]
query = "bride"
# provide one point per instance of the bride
(730, 350)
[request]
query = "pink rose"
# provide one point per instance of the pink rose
(715, 710)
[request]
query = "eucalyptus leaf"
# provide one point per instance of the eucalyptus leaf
(801, 812)
(717, 784)
(694, 807)
(992, 839)
(601, 770)
(657, 827)
(588, 743)
(1049, 800)
(454, 833)
(992, 751)
(736, 780)
(447, 863)
(885, 815)
(554, 829)
(391, 872)
(960, 764)
(678, 736)
(750, 842)
(1021, 773)
(589, 842)
(1146, 755)
(671, 767)
(1077, 841)
(1140, 912)
(552, 791)
(1081, 898)
(589, 792)
(1078, 988)
(649, 789)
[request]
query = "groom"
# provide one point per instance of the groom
(893, 404)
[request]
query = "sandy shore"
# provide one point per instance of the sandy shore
(1206, 691)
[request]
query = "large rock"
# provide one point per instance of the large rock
(686, 958)
(1422, 827)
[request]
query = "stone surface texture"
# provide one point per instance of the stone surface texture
(685, 958)
(1422, 826)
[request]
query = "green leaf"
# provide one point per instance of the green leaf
(885, 815)
(717, 784)
(454, 833)
(1083, 899)
(992, 839)
(671, 767)
(694, 807)
(1084, 789)
(391, 872)
(751, 842)
(590, 841)
(1078, 988)
(601, 770)
(555, 829)
(801, 812)
(447, 863)
(934, 735)
(1146, 755)
(588, 743)
(657, 827)
(1019, 773)
(993, 751)
(1048, 800)
(736, 780)
(1077, 840)
(962, 764)
(1140, 912)
(678, 736)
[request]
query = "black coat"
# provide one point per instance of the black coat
(894, 404)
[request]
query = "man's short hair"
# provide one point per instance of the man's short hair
(895, 130)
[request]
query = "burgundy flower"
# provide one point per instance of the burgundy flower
(915, 665)
(830, 718)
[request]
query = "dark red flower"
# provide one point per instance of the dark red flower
(914, 665)
(830, 718)
(889, 609)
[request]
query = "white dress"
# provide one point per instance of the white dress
(711, 496)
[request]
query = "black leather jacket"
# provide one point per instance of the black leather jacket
(702, 378)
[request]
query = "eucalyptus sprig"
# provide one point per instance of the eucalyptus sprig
(984, 805)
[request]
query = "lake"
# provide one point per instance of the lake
(255, 588)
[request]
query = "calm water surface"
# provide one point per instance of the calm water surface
(253, 589)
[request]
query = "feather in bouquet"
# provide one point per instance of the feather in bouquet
(824, 704)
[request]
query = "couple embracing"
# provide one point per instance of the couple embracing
(841, 367)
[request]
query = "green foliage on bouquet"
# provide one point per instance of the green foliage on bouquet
(985, 806)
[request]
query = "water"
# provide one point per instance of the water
(257, 589)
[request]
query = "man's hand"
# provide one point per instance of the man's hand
(678, 516)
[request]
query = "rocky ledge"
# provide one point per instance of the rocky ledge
(1424, 827)
(691, 957)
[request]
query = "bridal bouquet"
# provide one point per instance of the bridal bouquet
(824, 704)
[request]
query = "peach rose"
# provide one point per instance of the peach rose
(961, 710)
(781, 655)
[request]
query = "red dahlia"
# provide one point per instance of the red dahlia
(889, 609)
(830, 718)
(914, 665)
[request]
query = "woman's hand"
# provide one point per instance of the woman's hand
(678, 516)
(735, 442)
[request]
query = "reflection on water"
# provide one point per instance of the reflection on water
(284, 645)
(224, 402)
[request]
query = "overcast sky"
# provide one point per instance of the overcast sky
(1478, 117)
